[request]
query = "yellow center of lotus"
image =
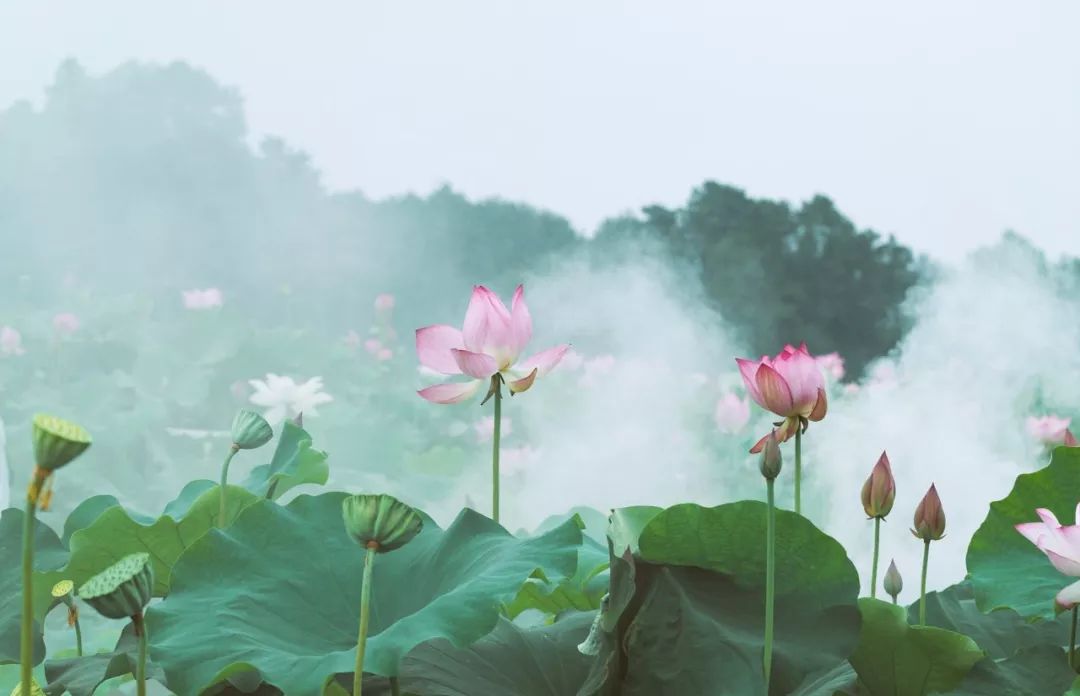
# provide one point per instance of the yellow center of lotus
(62, 588)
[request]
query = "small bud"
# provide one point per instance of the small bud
(123, 589)
(893, 582)
(771, 459)
(250, 430)
(1070, 439)
(879, 491)
(929, 517)
(381, 522)
(57, 441)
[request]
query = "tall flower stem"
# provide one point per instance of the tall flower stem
(224, 481)
(770, 578)
(365, 606)
(873, 568)
(78, 637)
(140, 667)
(395, 687)
(922, 588)
(1072, 641)
(26, 643)
(798, 470)
(495, 453)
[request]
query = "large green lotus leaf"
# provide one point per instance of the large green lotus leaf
(510, 661)
(81, 676)
(85, 513)
(182, 503)
(49, 553)
(115, 534)
(841, 680)
(895, 659)
(1074, 690)
(1006, 569)
(581, 592)
(285, 581)
(1041, 669)
(625, 525)
(596, 523)
(295, 462)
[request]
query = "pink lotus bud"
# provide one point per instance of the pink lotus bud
(384, 354)
(929, 517)
(771, 459)
(373, 345)
(1049, 430)
(1070, 439)
(893, 582)
(732, 413)
(10, 341)
(790, 385)
(879, 491)
(65, 323)
(384, 302)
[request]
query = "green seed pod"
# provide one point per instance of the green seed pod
(57, 441)
(123, 589)
(250, 430)
(381, 522)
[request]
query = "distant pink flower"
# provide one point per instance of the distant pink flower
(572, 360)
(65, 323)
(489, 343)
(790, 385)
(384, 354)
(1049, 430)
(352, 339)
(732, 413)
(516, 459)
(1061, 545)
(384, 302)
(209, 298)
(373, 345)
(485, 428)
(831, 364)
(1070, 439)
(594, 369)
(10, 341)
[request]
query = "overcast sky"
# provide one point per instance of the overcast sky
(941, 122)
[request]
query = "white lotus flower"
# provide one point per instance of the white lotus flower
(283, 398)
(5, 476)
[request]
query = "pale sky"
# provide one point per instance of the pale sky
(941, 122)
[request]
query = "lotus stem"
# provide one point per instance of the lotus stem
(78, 637)
(140, 667)
(798, 470)
(365, 603)
(26, 642)
(873, 568)
(922, 589)
(770, 578)
(395, 687)
(224, 482)
(1072, 641)
(495, 454)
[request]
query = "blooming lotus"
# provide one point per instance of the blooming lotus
(732, 413)
(10, 341)
(202, 299)
(487, 347)
(790, 385)
(66, 323)
(1061, 544)
(1049, 430)
(282, 397)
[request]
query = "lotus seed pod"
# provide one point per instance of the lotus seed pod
(35, 690)
(879, 491)
(62, 590)
(771, 459)
(381, 522)
(929, 517)
(893, 583)
(123, 589)
(250, 430)
(57, 441)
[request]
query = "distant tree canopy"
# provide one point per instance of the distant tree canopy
(143, 179)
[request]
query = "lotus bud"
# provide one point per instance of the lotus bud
(57, 441)
(1070, 439)
(929, 517)
(893, 583)
(771, 459)
(250, 430)
(879, 491)
(123, 589)
(380, 522)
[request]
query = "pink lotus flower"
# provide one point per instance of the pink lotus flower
(1061, 545)
(373, 345)
(65, 323)
(489, 344)
(1049, 430)
(831, 364)
(732, 413)
(384, 302)
(10, 341)
(1070, 439)
(384, 354)
(790, 385)
(209, 298)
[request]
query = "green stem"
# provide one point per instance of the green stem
(770, 578)
(140, 667)
(798, 469)
(894, 599)
(922, 589)
(873, 568)
(1072, 641)
(495, 454)
(78, 638)
(365, 604)
(224, 481)
(395, 687)
(26, 642)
